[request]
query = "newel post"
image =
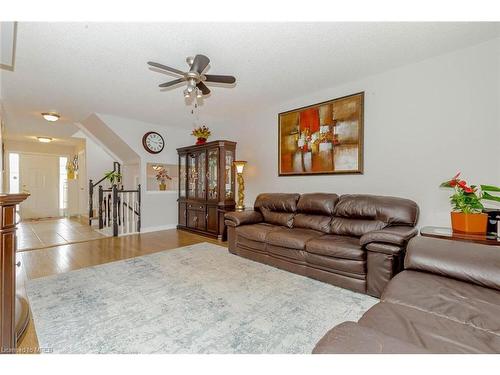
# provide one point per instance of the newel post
(115, 210)
(101, 198)
(91, 201)
(139, 207)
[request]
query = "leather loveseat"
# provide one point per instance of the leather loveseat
(447, 300)
(352, 241)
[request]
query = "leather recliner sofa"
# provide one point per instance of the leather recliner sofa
(352, 241)
(447, 300)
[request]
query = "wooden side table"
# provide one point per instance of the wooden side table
(448, 234)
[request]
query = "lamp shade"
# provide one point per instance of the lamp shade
(240, 165)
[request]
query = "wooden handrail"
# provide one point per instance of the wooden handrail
(116, 168)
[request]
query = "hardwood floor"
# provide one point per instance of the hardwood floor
(37, 234)
(59, 259)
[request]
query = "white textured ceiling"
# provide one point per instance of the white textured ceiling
(82, 68)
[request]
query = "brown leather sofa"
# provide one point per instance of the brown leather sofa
(352, 241)
(447, 300)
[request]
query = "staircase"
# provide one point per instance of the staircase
(118, 209)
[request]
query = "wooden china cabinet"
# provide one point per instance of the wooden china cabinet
(13, 309)
(206, 186)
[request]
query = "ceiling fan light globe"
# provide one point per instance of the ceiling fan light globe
(187, 93)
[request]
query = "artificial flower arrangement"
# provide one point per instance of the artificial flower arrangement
(162, 177)
(468, 215)
(201, 133)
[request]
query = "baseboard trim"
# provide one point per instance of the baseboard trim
(158, 228)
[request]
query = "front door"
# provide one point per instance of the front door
(39, 176)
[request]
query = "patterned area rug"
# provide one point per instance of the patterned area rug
(195, 299)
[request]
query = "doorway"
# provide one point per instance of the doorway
(39, 176)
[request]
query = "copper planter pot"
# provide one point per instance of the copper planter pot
(469, 223)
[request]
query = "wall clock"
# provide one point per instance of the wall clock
(153, 142)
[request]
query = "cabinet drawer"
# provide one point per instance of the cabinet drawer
(196, 206)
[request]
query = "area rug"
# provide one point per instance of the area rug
(194, 299)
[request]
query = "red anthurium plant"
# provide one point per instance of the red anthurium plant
(467, 198)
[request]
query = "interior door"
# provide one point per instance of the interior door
(39, 175)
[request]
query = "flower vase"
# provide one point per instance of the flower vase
(163, 186)
(201, 141)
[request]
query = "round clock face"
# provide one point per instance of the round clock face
(153, 142)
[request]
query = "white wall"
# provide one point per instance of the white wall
(159, 209)
(423, 123)
(39, 148)
(98, 161)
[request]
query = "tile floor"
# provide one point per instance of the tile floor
(36, 234)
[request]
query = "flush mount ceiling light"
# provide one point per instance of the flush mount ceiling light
(44, 139)
(50, 116)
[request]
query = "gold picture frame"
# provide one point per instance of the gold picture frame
(323, 138)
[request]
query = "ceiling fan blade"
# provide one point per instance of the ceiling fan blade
(219, 79)
(167, 68)
(200, 63)
(204, 89)
(171, 83)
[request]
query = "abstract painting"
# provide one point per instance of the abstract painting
(324, 138)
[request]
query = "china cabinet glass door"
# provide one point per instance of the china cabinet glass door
(201, 183)
(212, 174)
(192, 176)
(182, 176)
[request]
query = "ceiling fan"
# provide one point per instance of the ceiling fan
(194, 77)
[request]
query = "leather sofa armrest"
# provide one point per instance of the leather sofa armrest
(396, 235)
(352, 338)
(238, 218)
(465, 261)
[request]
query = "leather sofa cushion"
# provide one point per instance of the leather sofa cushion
(278, 218)
(430, 331)
(317, 203)
(316, 222)
(352, 338)
(457, 300)
(389, 210)
(247, 243)
(295, 238)
(336, 246)
(354, 227)
(278, 202)
(346, 266)
(256, 232)
(298, 255)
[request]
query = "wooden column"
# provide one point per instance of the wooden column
(8, 204)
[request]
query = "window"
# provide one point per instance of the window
(63, 183)
(13, 173)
